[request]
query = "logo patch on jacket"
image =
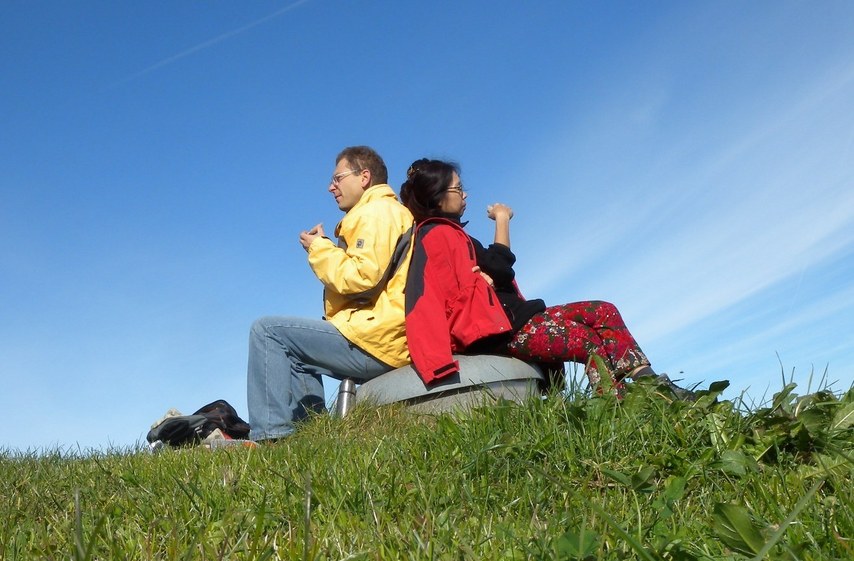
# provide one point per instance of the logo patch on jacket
(360, 243)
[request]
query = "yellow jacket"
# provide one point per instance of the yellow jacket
(372, 319)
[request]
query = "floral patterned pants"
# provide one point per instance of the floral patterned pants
(577, 332)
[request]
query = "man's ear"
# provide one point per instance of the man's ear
(365, 176)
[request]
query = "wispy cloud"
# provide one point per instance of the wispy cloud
(821, 311)
(765, 203)
(209, 43)
(787, 206)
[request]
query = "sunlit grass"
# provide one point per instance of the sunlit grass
(567, 477)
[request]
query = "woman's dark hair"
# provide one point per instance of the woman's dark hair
(426, 183)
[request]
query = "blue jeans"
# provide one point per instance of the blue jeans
(287, 356)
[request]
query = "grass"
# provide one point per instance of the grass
(568, 477)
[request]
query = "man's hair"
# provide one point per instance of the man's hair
(364, 157)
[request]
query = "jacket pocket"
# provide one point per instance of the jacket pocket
(475, 314)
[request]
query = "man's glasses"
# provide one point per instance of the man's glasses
(336, 179)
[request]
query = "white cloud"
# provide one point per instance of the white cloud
(800, 324)
(732, 218)
(753, 209)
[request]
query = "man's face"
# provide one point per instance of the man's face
(348, 185)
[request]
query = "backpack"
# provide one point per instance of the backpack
(180, 430)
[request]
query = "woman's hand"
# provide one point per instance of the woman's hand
(487, 278)
(501, 214)
(498, 210)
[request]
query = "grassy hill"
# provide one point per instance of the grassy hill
(567, 477)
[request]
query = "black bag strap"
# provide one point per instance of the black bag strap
(401, 248)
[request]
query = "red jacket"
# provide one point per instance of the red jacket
(448, 307)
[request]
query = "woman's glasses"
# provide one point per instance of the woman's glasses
(458, 188)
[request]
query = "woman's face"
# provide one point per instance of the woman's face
(454, 200)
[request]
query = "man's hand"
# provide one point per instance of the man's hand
(499, 210)
(305, 238)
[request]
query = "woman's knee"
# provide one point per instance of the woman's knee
(606, 308)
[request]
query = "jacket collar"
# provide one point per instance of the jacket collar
(455, 218)
(447, 217)
(372, 193)
(448, 220)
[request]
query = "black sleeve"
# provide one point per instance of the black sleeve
(496, 261)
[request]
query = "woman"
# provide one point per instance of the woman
(462, 297)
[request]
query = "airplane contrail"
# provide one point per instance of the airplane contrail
(210, 42)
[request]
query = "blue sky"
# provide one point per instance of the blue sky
(691, 162)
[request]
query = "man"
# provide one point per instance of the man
(363, 333)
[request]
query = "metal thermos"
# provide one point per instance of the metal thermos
(346, 397)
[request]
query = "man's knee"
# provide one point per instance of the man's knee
(261, 326)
